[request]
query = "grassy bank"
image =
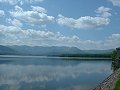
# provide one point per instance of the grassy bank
(117, 87)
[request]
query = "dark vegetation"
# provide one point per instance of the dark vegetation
(114, 62)
(117, 87)
(106, 55)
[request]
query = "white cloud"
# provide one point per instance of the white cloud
(16, 23)
(115, 2)
(32, 1)
(9, 1)
(115, 36)
(13, 2)
(87, 22)
(39, 0)
(15, 74)
(103, 11)
(83, 22)
(18, 9)
(37, 16)
(39, 9)
(16, 36)
(2, 13)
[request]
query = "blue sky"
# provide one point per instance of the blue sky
(86, 24)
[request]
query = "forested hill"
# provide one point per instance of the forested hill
(46, 50)
(39, 50)
(98, 51)
(7, 51)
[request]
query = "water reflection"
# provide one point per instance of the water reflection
(82, 76)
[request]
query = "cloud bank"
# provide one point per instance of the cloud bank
(36, 16)
(14, 2)
(86, 22)
(15, 35)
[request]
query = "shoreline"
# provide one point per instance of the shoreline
(110, 82)
(65, 58)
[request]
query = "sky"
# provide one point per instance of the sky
(86, 24)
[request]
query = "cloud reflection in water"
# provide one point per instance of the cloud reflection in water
(13, 75)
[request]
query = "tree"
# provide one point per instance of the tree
(114, 55)
(114, 61)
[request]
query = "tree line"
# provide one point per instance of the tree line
(105, 55)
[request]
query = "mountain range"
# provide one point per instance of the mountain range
(46, 50)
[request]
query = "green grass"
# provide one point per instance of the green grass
(117, 87)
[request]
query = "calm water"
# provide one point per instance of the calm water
(47, 73)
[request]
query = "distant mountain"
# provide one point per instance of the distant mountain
(47, 51)
(7, 51)
(98, 51)
(41, 50)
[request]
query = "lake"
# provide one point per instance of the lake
(51, 73)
